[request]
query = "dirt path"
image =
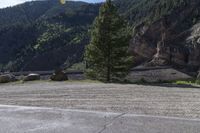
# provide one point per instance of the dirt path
(136, 99)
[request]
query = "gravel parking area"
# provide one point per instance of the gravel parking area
(134, 99)
(19, 119)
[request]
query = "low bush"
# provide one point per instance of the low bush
(198, 82)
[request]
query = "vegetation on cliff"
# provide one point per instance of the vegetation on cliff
(138, 11)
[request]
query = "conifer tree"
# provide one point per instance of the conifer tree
(107, 54)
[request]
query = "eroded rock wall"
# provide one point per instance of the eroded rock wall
(172, 40)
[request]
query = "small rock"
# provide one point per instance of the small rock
(59, 75)
(32, 77)
(5, 78)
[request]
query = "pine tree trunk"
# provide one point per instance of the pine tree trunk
(109, 63)
(108, 73)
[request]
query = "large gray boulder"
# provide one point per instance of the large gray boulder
(156, 74)
(32, 77)
(5, 78)
(59, 75)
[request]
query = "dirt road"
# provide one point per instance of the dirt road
(134, 99)
(19, 119)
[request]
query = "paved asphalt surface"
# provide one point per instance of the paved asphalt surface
(55, 107)
(15, 119)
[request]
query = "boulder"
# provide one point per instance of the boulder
(156, 74)
(32, 77)
(59, 75)
(5, 78)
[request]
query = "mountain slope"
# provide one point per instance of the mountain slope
(36, 33)
(169, 37)
(137, 11)
(45, 35)
(24, 13)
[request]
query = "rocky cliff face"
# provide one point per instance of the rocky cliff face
(172, 40)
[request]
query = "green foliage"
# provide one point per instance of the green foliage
(78, 67)
(137, 11)
(53, 32)
(44, 35)
(187, 82)
(25, 13)
(107, 54)
(198, 81)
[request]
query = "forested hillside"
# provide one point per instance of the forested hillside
(44, 35)
(137, 11)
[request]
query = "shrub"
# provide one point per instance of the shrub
(198, 81)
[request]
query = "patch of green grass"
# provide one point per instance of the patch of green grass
(198, 82)
(187, 82)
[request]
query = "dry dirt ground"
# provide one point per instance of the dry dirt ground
(132, 99)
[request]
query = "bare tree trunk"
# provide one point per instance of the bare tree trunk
(109, 64)
(108, 73)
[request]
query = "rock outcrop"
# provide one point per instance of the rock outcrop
(156, 74)
(194, 42)
(5, 78)
(32, 77)
(59, 75)
(172, 40)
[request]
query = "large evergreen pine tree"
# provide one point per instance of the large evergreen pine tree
(107, 54)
